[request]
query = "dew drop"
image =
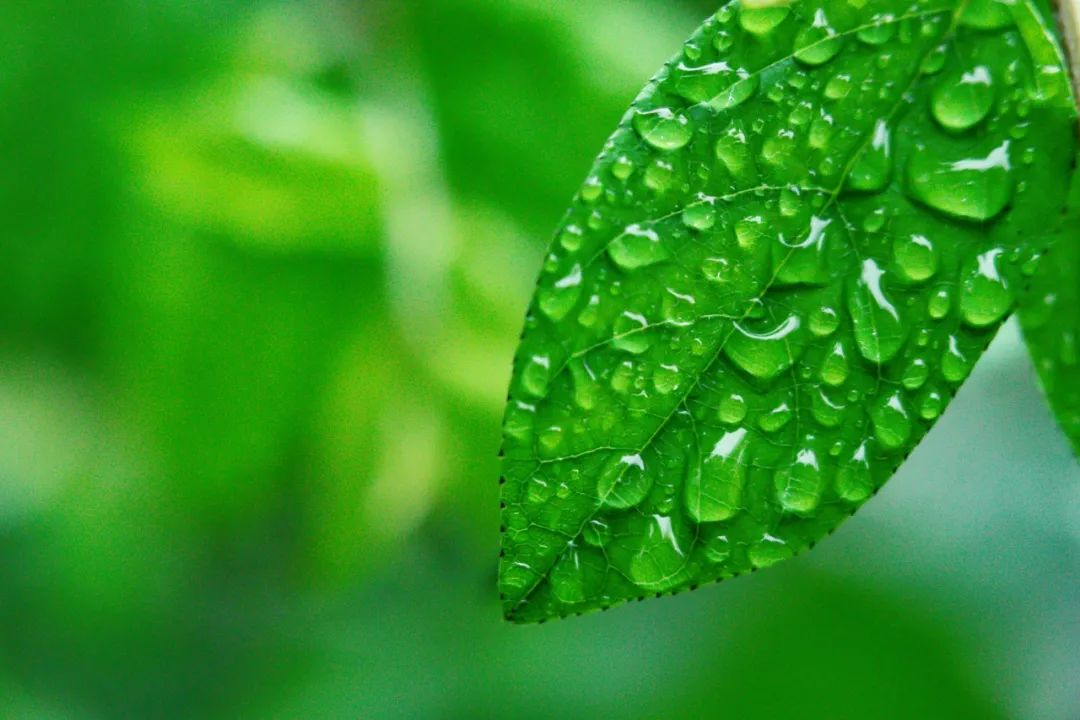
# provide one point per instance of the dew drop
(873, 169)
(931, 405)
(879, 328)
(559, 299)
(536, 375)
(940, 304)
(824, 321)
(700, 215)
(637, 247)
(987, 14)
(666, 379)
(954, 364)
(818, 43)
(732, 409)
(985, 298)
(769, 551)
(854, 482)
(963, 101)
(892, 426)
(764, 354)
(631, 333)
(972, 189)
(776, 419)
(660, 560)
(714, 487)
(881, 32)
(799, 487)
(916, 257)
(763, 20)
(663, 128)
(834, 369)
(623, 482)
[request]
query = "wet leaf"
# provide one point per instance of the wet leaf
(1051, 321)
(782, 266)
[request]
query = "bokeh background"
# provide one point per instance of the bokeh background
(262, 269)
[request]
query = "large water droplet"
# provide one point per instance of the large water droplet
(880, 32)
(879, 329)
(954, 364)
(986, 297)
(638, 247)
(623, 482)
(765, 354)
(714, 487)
(718, 84)
(700, 215)
(769, 551)
(972, 189)
(663, 128)
(631, 333)
(963, 101)
(834, 369)
(659, 558)
(987, 14)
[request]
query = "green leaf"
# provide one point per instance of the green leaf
(1051, 321)
(782, 266)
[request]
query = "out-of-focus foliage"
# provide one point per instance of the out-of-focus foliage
(262, 269)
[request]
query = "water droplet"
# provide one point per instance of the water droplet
(935, 61)
(637, 247)
(666, 379)
(954, 365)
(659, 562)
(659, 176)
(571, 238)
(834, 369)
(879, 329)
(717, 548)
(770, 551)
(623, 482)
(916, 257)
(985, 298)
(536, 375)
(592, 190)
(800, 486)
(839, 86)
(732, 150)
(663, 129)
(764, 354)
(631, 333)
(587, 317)
(987, 14)
(854, 482)
(803, 262)
(776, 419)
(585, 388)
(881, 32)
(826, 411)
(732, 409)
(873, 169)
(718, 84)
(622, 168)
(963, 101)
(714, 487)
(763, 20)
(824, 321)
(750, 231)
(973, 189)
(940, 303)
(916, 374)
(892, 426)
(818, 43)
(931, 405)
(557, 300)
(700, 215)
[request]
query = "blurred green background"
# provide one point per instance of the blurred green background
(262, 270)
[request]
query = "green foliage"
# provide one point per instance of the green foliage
(778, 273)
(1051, 321)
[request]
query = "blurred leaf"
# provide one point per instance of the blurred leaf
(783, 265)
(1050, 313)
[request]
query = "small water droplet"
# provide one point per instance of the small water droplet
(700, 215)
(834, 369)
(560, 298)
(732, 409)
(630, 333)
(854, 482)
(765, 354)
(873, 169)
(536, 375)
(954, 364)
(799, 487)
(818, 43)
(763, 20)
